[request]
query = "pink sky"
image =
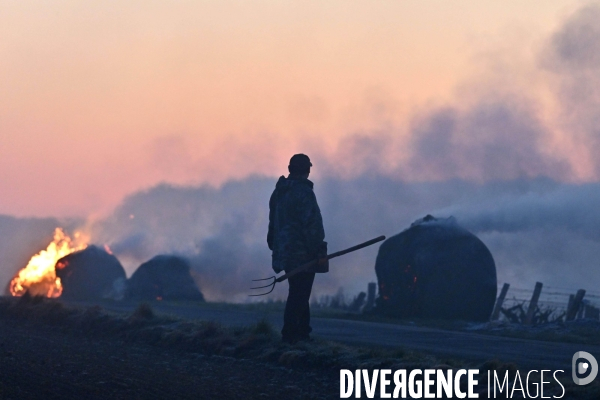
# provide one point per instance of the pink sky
(99, 99)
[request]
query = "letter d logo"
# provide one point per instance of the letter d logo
(584, 367)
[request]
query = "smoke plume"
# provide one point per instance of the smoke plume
(500, 161)
(536, 229)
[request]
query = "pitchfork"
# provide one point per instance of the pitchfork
(309, 264)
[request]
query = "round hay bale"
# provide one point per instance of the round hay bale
(164, 277)
(436, 269)
(90, 274)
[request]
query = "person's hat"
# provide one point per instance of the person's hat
(300, 161)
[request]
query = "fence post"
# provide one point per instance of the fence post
(571, 300)
(574, 305)
(533, 303)
(499, 302)
(371, 289)
(581, 308)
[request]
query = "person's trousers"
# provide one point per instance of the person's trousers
(296, 319)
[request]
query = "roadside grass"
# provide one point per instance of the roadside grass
(259, 341)
(580, 331)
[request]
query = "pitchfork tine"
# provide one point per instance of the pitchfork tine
(264, 279)
(263, 294)
(271, 285)
(260, 287)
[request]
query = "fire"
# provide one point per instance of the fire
(39, 276)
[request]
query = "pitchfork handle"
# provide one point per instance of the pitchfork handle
(357, 247)
(309, 264)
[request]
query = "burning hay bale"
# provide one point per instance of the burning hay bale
(38, 277)
(89, 274)
(164, 277)
(436, 269)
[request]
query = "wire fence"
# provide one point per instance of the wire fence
(556, 298)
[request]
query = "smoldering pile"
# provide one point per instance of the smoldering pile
(436, 269)
(90, 274)
(94, 274)
(164, 277)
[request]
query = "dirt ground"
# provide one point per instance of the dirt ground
(42, 362)
(50, 350)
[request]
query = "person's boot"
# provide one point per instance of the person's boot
(304, 338)
(289, 339)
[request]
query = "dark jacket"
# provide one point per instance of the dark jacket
(296, 233)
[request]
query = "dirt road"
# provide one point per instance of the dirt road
(527, 354)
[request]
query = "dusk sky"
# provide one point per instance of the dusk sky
(99, 99)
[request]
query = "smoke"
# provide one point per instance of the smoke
(536, 229)
(496, 158)
(494, 139)
(572, 56)
(226, 263)
(521, 116)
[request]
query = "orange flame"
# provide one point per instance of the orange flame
(39, 276)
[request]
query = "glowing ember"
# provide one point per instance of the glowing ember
(39, 276)
(107, 249)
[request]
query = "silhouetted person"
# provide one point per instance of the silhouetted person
(296, 236)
